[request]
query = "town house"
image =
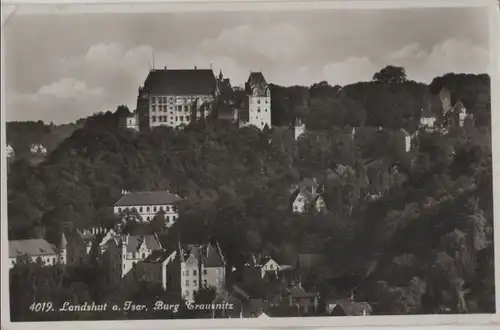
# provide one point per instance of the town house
(36, 250)
(306, 197)
(124, 252)
(194, 267)
(258, 266)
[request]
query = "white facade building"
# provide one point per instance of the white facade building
(123, 253)
(36, 250)
(257, 110)
(257, 267)
(148, 204)
(174, 98)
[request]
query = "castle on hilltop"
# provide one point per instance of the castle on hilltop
(176, 97)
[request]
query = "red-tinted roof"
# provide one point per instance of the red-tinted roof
(180, 82)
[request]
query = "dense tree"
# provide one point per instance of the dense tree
(417, 226)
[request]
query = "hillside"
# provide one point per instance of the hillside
(435, 213)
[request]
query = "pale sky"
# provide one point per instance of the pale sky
(63, 67)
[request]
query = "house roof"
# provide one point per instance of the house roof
(352, 308)
(30, 247)
(257, 260)
(180, 82)
(134, 243)
(148, 198)
(257, 85)
(159, 256)
(209, 255)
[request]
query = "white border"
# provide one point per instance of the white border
(113, 6)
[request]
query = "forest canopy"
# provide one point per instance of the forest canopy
(435, 211)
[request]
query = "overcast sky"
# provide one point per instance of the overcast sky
(63, 67)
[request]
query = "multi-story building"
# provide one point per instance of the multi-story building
(187, 270)
(174, 98)
(257, 109)
(124, 252)
(154, 269)
(146, 205)
(36, 250)
(77, 246)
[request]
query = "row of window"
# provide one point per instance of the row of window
(148, 209)
(164, 119)
(258, 101)
(195, 272)
(195, 282)
(258, 110)
(171, 99)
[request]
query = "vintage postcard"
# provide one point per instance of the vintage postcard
(304, 164)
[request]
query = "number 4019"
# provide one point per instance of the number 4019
(41, 307)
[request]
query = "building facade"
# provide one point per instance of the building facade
(77, 247)
(257, 109)
(36, 250)
(191, 268)
(257, 267)
(146, 205)
(306, 197)
(123, 254)
(174, 98)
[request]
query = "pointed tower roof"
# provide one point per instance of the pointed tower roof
(64, 241)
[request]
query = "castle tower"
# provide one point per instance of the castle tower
(259, 100)
(300, 128)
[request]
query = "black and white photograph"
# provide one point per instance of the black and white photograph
(243, 164)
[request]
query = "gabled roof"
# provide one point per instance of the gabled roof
(148, 198)
(257, 260)
(30, 247)
(209, 255)
(180, 82)
(256, 84)
(351, 308)
(160, 256)
(135, 242)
